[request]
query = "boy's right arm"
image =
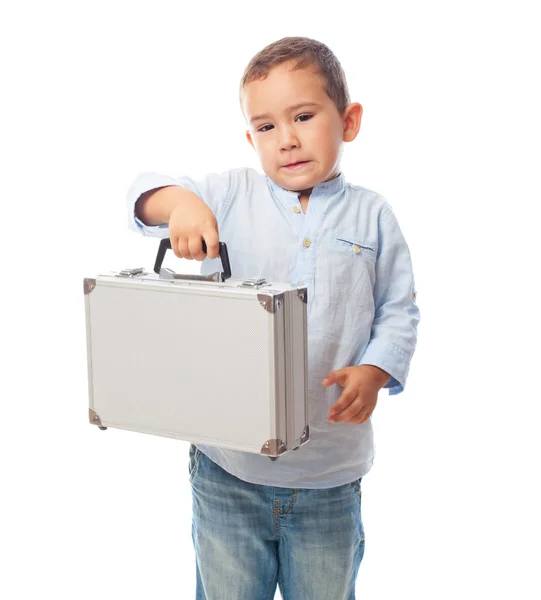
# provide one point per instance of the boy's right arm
(190, 220)
(183, 209)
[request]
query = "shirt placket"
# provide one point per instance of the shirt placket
(309, 234)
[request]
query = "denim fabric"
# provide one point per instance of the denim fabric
(250, 538)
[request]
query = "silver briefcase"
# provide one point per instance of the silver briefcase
(205, 359)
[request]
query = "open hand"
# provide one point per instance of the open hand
(361, 386)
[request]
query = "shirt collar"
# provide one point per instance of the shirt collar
(325, 188)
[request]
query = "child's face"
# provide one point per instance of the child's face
(296, 128)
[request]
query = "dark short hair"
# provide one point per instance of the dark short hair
(304, 52)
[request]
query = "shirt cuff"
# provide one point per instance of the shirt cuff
(151, 230)
(144, 183)
(392, 359)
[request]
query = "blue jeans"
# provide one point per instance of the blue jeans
(250, 538)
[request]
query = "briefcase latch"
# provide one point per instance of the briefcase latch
(253, 282)
(131, 272)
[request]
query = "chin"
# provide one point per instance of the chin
(298, 184)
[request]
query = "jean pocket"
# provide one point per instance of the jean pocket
(195, 457)
(357, 487)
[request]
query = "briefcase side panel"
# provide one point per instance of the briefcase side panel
(302, 432)
(298, 410)
(279, 395)
(89, 285)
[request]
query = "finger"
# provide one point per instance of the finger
(196, 248)
(361, 417)
(347, 397)
(183, 250)
(338, 376)
(212, 241)
(351, 412)
(174, 246)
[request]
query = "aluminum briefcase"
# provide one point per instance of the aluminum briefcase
(202, 358)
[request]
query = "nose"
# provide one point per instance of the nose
(288, 138)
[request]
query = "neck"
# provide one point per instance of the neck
(304, 196)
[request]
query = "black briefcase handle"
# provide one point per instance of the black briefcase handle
(165, 245)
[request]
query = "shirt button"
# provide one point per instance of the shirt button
(307, 243)
(296, 210)
(356, 249)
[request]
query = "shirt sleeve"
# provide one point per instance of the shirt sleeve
(214, 189)
(394, 329)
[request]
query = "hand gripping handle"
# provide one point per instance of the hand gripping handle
(165, 245)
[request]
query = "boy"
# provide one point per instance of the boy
(295, 522)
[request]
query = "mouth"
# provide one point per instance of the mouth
(293, 166)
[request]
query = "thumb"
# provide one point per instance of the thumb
(338, 376)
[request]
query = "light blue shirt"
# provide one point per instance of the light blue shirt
(349, 252)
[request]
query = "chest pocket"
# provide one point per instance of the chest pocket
(356, 247)
(351, 270)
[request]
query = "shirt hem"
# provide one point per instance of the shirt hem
(298, 484)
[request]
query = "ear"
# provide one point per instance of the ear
(249, 138)
(352, 121)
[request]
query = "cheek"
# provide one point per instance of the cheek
(334, 137)
(325, 131)
(263, 148)
(334, 133)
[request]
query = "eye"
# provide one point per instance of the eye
(266, 128)
(303, 118)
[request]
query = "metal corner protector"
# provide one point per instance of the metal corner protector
(302, 293)
(273, 448)
(89, 285)
(94, 418)
(271, 303)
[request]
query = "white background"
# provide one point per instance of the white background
(93, 93)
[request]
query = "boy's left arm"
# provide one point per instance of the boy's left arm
(386, 359)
